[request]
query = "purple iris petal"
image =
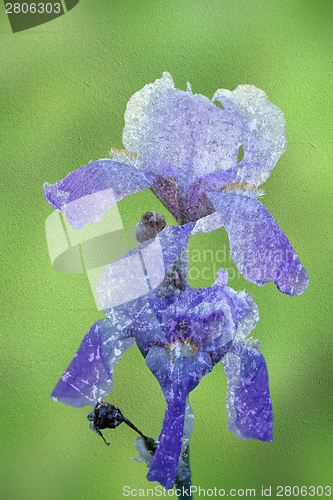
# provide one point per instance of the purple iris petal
(147, 329)
(182, 338)
(249, 405)
(184, 471)
(215, 181)
(178, 134)
(141, 269)
(156, 320)
(263, 135)
(240, 312)
(88, 377)
(189, 298)
(259, 247)
(209, 317)
(176, 380)
(87, 193)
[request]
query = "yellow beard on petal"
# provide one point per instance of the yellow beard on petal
(181, 349)
(243, 188)
(124, 156)
(121, 152)
(254, 343)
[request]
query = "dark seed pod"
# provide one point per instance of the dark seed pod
(149, 226)
(105, 416)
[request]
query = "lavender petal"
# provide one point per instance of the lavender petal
(180, 135)
(249, 407)
(87, 193)
(176, 380)
(259, 247)
(88, 377)
(263, 131)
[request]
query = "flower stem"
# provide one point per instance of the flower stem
(129, 423)
(184, 487)
(177, 274)
(174, 283)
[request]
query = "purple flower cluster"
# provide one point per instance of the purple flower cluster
(186, 149)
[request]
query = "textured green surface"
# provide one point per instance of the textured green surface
(64, 88)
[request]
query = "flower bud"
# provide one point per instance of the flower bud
(149, 226)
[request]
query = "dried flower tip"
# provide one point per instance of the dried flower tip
(104, 416)
(107, 416)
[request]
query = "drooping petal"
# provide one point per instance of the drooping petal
(88, 377)
(141, 269)
(180, 135)
(183, 471)
(249, 405)
(259, 247)
(263, 134)
(87, 193)
(176, 380)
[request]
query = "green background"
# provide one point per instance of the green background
(64, 89)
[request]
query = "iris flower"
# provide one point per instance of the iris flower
(185, 148)
(181, 338)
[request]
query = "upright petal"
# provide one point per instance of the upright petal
(87, 193)
(136, 110)
(263, 134)
(180, 135)
(88, 377)
(259, 247)
(249, 405)
(176, 381)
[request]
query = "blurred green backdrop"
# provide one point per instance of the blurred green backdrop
(64, 88)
